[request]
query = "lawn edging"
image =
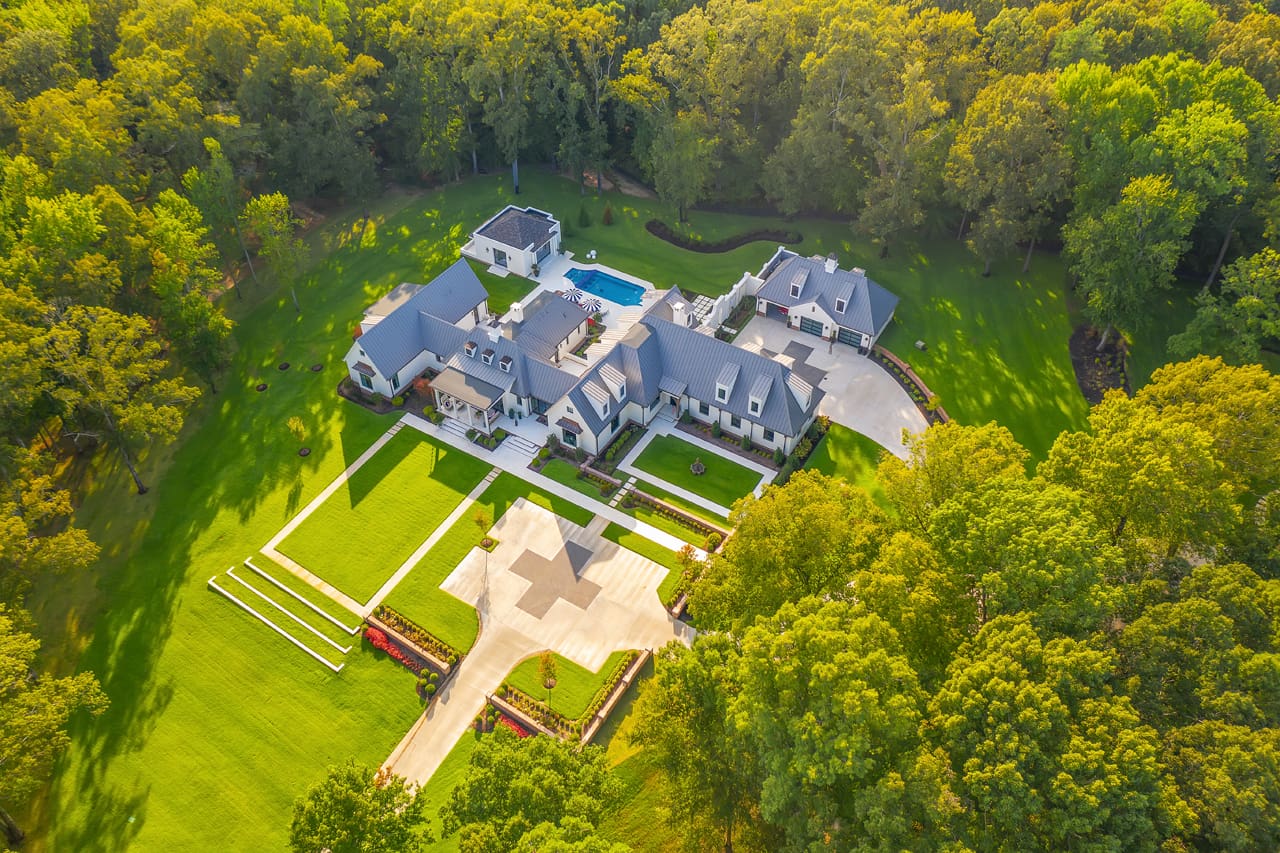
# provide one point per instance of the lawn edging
(663, 231)
(419, 640)
(912, 384)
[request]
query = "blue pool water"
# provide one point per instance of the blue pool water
(605, 286)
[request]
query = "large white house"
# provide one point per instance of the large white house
(486, 370)
(517, 239)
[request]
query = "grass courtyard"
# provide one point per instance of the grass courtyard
(668, 458)
(366, 529)
(199, 690)
(575, 686)
(419, 596)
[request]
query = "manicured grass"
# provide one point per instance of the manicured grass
(651, 550)
(652, 517)
(419, 596)
(640, 818)
(682, 503)
(440, 787)
(668, 457)
(366, 529)
(575, 686)
(566, 474)
(843, 452)
(503, 290)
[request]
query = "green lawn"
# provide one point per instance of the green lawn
(646, 548)
(200, 691)
(575, 686)
(503, 290)
(842, 452)
(419, 596)
(668, 458)
(653, 518)
(567, 474)
(440, 786)
(366, 529)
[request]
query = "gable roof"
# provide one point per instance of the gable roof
(549, 320)
(398, 295)
(868, 307)
(519, 228)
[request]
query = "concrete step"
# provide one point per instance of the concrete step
(520, 443)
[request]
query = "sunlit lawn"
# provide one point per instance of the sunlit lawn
(842, 452)
(567, 474)
(370, 525)
(419, 596)
(669, 458)
(575, 685)
(681, 503)
(502, 290)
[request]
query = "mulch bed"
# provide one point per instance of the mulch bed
(663, 231)
(1097, 372)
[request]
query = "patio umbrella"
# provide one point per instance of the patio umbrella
(574, 296)
(592, 305)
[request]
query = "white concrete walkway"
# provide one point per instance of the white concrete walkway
(859, 393)
(621, 611)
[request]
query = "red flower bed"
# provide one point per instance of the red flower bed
(513, 725)
(379, 640)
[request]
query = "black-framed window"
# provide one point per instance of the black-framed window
(768, 435)
(569, 438)
(366, 381)
(704, 408)
(735, 422)
(614, 425)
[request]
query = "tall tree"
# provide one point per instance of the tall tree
(112, 378)
(34, 711)
(359, 809)
(215, 191)
(1124, 256)
(271, 218)
(1242, 318)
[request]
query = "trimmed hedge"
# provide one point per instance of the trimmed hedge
(417, 634)
(539, 711)
(663, 231)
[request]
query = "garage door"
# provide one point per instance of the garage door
(810, 327)
(850, 337)
(776, 311)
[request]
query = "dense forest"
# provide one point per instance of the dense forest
(149, 153)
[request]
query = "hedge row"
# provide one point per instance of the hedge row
(415, 633)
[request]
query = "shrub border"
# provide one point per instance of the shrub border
(663, 231)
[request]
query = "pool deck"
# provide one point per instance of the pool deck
(617, 318)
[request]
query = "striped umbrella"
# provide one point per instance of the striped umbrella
(592, 305)
(575, 296)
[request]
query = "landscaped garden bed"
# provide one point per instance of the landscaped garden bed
(804, 449)
(431, 674)
(581, 480)
(488, 442)
(617, 449)
(662, 231)
(595, 330)
(442, 655)
(670, 458)
(574, 681)
(732, 443)
(703, 530)
(926, 401)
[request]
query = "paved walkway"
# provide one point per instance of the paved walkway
(662, 426)
(548, 585)
(860, 394)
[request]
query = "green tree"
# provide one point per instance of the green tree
(215, 191)
(271, 218)
(681, 160)
(572, 836)
(1242, 317)
(34, 711)
(359, 809)
(832, 710)
(514, 784)
(113, 378)
(804, 538)
(1127, 254)
(1043, 754)
(684, 723)
(1230, 779)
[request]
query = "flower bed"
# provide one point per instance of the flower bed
(804, 449)
(617, 449)
(521, 731)
(430, 645)
(379, 640)
(487, 441)
(538, 711)
(666, 510)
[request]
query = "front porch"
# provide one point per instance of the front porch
(470, 401)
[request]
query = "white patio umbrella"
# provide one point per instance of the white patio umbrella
(575, 296)
(592, 305)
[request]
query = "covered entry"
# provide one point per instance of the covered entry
(473, 401)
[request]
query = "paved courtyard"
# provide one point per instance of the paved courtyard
(860, 394)
(549, 584)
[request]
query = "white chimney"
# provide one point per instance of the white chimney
(494, 333)
(679, 314)
(517, 312)
(832, 263)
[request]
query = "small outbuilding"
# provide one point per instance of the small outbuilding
(518, 239)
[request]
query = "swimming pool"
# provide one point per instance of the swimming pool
(606, 286)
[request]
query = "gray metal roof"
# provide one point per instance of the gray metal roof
(549, 319)
(399, 295)
(424, 320)
(760, 387)
(728, 374)
(868, 307)
(519, 228)
(469, 389)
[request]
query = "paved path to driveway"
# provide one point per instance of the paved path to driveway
(549, 584)
(859, 393)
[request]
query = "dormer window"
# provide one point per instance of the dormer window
(755, 407)
(505, 363)
(722, 394)
(487, 356)
(470, 349)
(724, 381)
(840, 306)
(797, 283)
(795, 289)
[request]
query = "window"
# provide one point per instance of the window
(487, 356)
(768, 435)
(569, 438)
(795, 291)
(614, 425)
(704, 408)
(754, 407)
(840, 306)
(366, 381)
(395, 381)
(605, 410)
(722, 394)
(735, 422)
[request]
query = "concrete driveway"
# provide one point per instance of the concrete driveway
(859, 393)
